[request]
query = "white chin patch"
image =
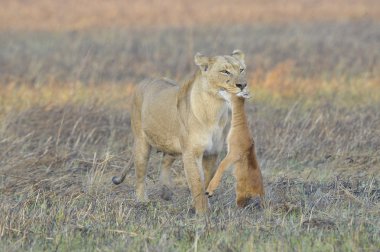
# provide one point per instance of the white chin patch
(244, 94)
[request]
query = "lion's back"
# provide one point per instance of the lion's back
(154, 112)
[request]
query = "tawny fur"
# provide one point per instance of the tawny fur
(187, 120)
(241, 153)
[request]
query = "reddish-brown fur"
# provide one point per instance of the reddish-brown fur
(241, 153)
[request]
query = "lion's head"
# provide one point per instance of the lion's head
(224, 73)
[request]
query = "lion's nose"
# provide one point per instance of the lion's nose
(241, 85)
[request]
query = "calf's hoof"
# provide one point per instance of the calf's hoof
(209, 194)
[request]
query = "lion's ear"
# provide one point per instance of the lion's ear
(238, 55)
(202, 61)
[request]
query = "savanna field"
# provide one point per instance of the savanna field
(67, 72)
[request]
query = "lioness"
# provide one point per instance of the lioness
(187, 120)
(241, 153)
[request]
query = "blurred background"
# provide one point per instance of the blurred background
(119, 41)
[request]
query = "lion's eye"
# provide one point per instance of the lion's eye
(225, 72)
(242, 70)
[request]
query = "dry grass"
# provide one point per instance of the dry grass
(320, 164)
(65, 129)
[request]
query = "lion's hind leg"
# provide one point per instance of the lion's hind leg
(165, 178)
(209, 167)
(142, 152)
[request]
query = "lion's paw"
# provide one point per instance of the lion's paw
(166, 193)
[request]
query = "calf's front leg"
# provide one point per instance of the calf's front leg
(214, 183)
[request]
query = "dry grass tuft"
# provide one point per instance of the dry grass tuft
(70, 125)
(51, 141)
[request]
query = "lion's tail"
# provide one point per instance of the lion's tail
(119, 179)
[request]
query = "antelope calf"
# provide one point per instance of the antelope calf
(241, 153)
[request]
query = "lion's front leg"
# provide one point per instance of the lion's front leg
(192, 162)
